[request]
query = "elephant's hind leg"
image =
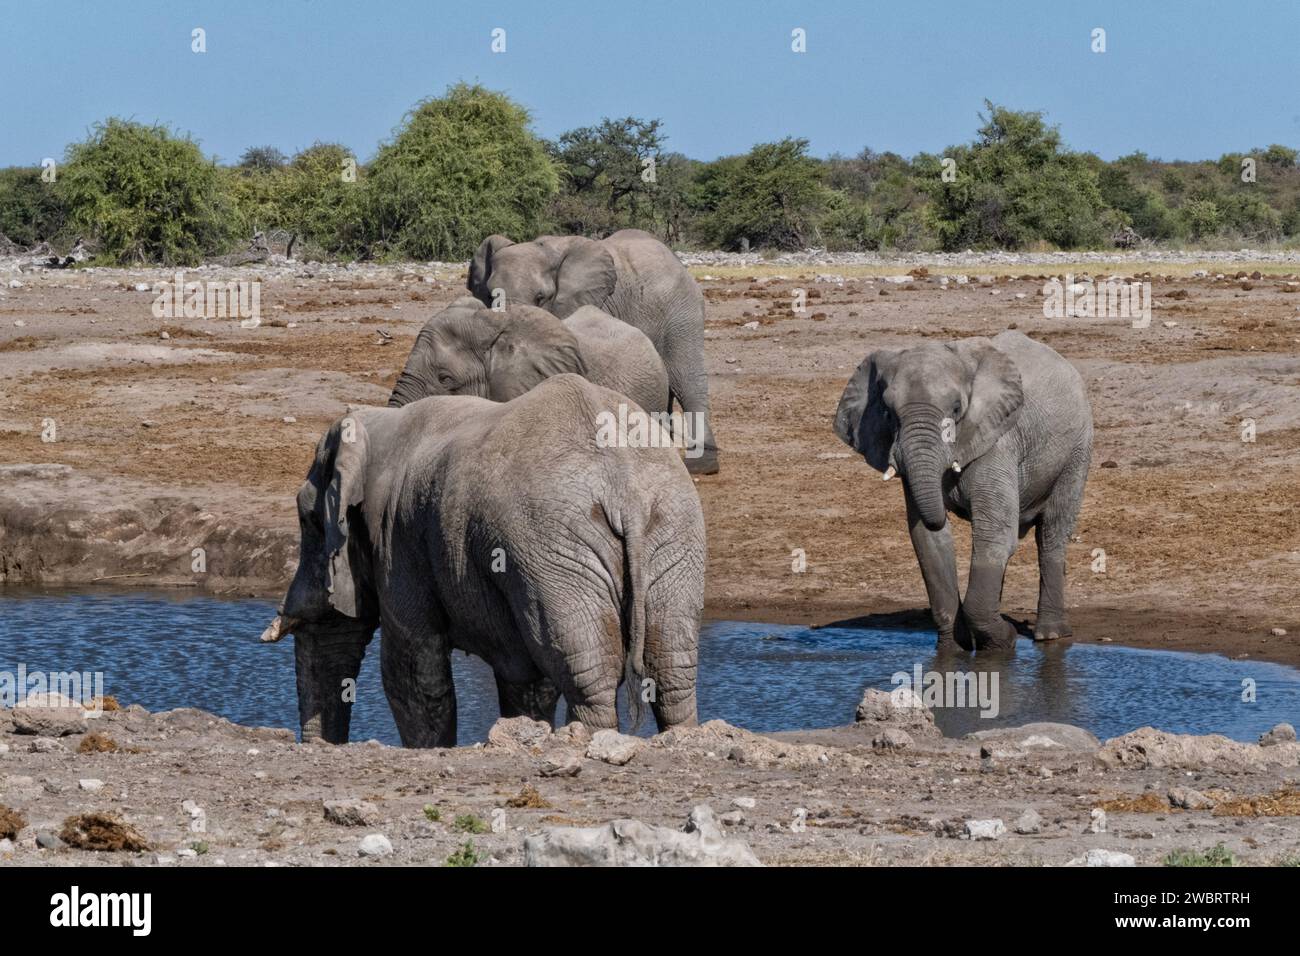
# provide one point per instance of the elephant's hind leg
(1052, 534)
(535, 699)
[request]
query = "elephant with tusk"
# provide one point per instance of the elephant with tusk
(469, 349)
(506, 531)
(998, 432)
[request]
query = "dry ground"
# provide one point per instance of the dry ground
(202, 438)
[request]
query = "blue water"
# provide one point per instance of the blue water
(168, 649)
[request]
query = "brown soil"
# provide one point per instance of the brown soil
(182, 443)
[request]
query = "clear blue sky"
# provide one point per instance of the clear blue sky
(1179, 80)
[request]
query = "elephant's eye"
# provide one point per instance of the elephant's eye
(446, 381)
(539, 298)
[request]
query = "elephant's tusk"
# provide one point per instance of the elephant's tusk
(956, 467)
(279, 628)
(890, 472)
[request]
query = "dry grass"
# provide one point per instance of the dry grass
(1281, 803)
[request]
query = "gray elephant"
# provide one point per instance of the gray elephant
(504, 531)
(632, 276)
(469, 349)
(999, 432)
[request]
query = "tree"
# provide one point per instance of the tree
(262, 157)
(773, 195)
(30, 211)
(1016, 185)
(145, 194)
(459, 168)
(609, 175)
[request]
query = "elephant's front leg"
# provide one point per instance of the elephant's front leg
(1052, 533)
(995, 516)
(535, 699)
(416, 668)
(934, 553)
(688, 382)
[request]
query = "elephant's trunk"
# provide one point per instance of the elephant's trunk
(413, 384)
(924, 460)
(328, 659)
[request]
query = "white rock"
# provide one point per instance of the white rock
(985, 829)
(750, 325)
(1097, 820)
(143, 287)
(374, 845)
(612, 747)
(744, 803)
(91, 784)
(1029, 822)
(1102, 858)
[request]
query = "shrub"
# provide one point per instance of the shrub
(145, 194)
(1217, 856)
(466, 855)
(30, 209)
(459, 168)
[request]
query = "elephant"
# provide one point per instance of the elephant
(503, 530)
(632, 276)
(468, 349)
(997, 431)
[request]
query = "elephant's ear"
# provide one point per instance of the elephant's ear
(532, 346)
(861, 420)
(586, 275)
(339, 475)
(994, 400)
(480, 267)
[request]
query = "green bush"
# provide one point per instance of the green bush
(30, 210)
(460, 168)
(1219, 855)
(774, 195)
(145, 194)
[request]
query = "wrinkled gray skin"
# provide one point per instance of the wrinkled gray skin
(469, 349)
(632, 276)
(500, 530)
(1014, 416)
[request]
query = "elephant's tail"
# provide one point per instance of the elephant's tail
(634, 545)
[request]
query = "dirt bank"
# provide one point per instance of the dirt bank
(200, 439)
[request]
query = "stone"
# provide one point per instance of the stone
(633, 843)
(47, 745)
(609, 746)
(1281, 734)
(90, 784)
(1101, 857)
(575, 732)
(1148, 747)
(891, 738)
(48, 841)
(43, 721)
(751, 326)
(374, 846)
(187, 853)
(744, 803)
(6, 846)
(732, 818)
(743, 746)
(1042, 735)
(900, 708)
(518, 733)
(1097, 820)
(1186, 798)
(351, 813)
(985, 829)
(1029, 822)
(1278, 632)
(562, 765)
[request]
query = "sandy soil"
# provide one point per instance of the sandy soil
(200, 440)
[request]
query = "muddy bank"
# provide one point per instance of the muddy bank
(184, 788)
(199, 440)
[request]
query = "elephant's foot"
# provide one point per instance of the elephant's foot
(995, 636)
(948, 644)
(1051, 629)
(706, 464)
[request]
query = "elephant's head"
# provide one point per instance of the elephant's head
(557, 273)
(924, 410)
(470, 350)
(330, 606)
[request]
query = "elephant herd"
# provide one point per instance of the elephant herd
(480, 511)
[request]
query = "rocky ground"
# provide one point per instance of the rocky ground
(184, 788)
